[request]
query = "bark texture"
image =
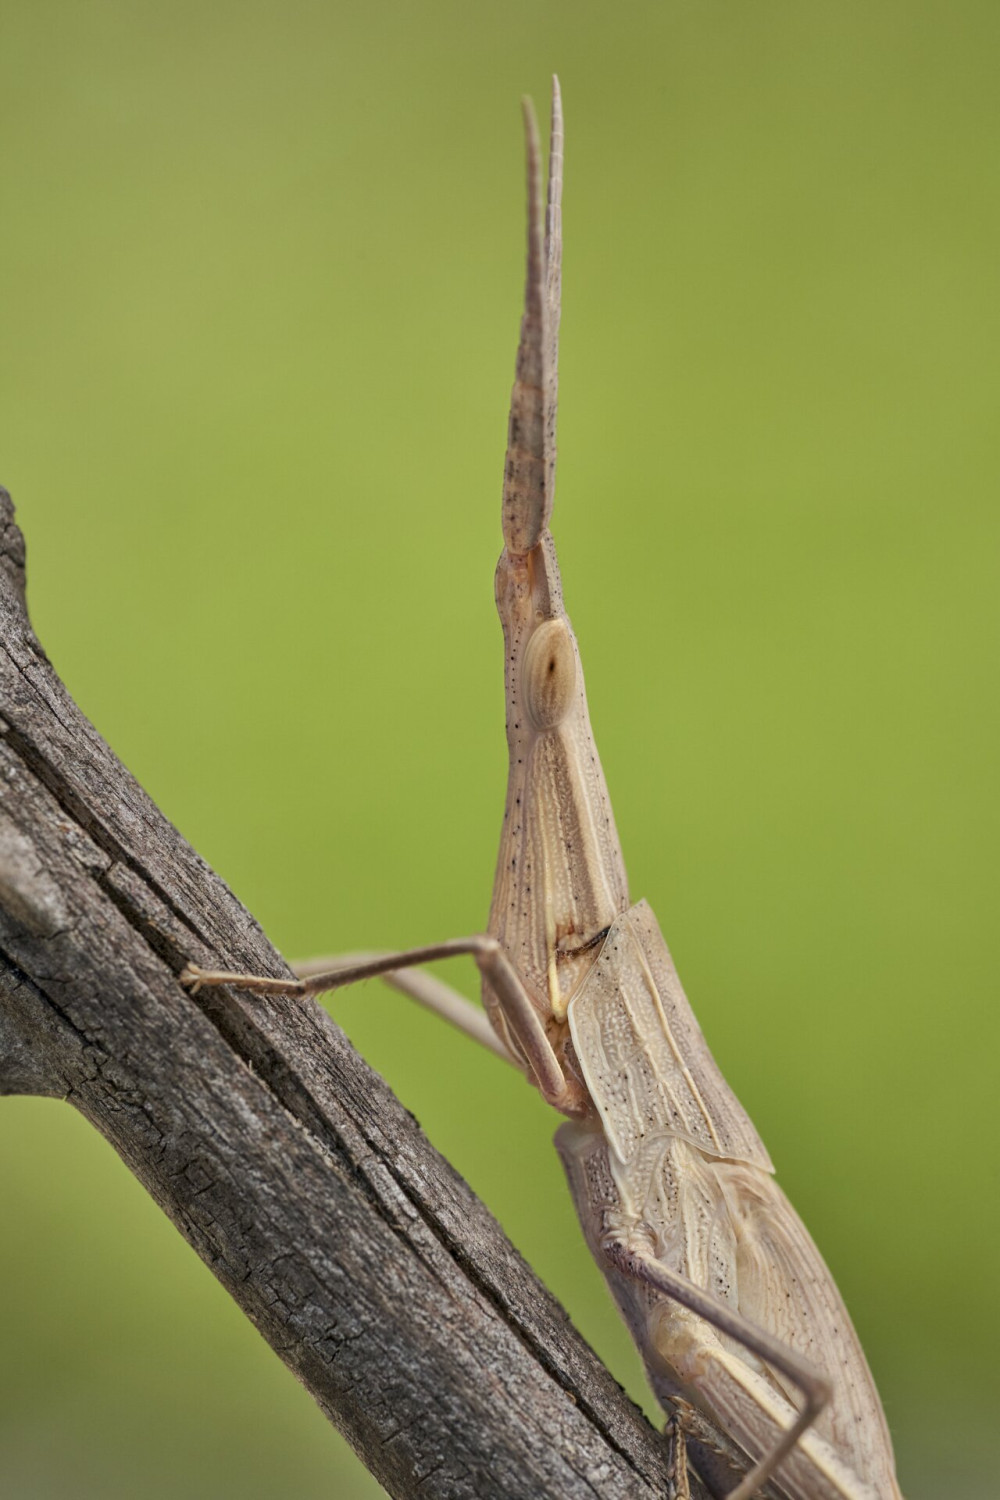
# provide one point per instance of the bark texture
(284, 1161)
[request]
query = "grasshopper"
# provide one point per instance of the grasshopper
(745, 1338)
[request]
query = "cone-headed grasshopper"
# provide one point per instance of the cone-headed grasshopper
(727, 1297)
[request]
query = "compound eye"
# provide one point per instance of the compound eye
(548, 674)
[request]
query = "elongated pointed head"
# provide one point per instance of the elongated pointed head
(560, 880)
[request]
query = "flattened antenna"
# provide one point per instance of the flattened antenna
(529, 471)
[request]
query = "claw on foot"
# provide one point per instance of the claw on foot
(679, 1485)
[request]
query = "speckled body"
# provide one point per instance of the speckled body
(670, 1179)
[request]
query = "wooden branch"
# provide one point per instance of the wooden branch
(359, 1254)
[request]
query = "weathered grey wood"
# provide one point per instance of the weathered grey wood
(359, 1254)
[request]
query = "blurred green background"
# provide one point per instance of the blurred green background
(261, 270)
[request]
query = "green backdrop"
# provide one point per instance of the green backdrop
(261, 271)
